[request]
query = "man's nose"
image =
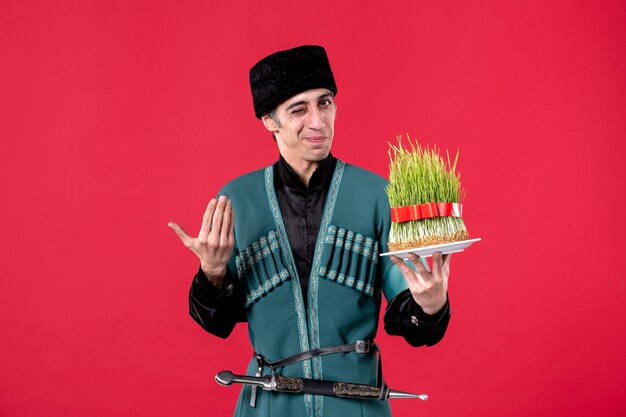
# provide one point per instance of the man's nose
(315, 119)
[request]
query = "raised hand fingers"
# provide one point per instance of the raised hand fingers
(214, 244)
(180, 232)
(231, 232)
(205, 229)
(227, 233)
(218, 219)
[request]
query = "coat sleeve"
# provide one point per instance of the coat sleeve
(217, 311)
(404, 317)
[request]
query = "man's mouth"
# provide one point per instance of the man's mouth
(315, 139)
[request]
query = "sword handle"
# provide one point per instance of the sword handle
(225, 378)
(228, 378)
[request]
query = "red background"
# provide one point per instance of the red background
(117, 117)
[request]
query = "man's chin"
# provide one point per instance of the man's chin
(318, 155)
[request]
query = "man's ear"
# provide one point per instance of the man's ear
(269, 123)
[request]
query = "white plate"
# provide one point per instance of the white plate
(427, 251)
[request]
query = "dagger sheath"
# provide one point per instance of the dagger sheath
(280, 383)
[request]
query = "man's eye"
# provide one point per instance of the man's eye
(325, 102)
(297, 111)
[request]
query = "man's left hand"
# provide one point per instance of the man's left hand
(429, 289)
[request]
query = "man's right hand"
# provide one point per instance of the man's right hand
(215, 242)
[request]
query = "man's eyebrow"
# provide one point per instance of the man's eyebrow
(298, 103)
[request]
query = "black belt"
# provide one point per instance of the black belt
(360, 346)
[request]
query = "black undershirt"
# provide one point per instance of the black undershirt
(302, 209)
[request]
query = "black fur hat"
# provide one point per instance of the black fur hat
(284, 74)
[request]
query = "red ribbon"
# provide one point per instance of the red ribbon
(425, 211)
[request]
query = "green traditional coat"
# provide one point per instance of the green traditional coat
(344, 293)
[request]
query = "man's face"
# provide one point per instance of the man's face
(306, 126)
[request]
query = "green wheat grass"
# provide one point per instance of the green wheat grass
(419, 175)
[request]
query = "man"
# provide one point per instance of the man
(293, 249)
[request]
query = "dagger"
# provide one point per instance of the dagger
(280, 383)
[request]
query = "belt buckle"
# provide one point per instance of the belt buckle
(362, 346)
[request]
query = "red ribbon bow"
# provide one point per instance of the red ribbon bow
(425, 211)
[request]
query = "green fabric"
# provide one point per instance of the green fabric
(345, 288)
